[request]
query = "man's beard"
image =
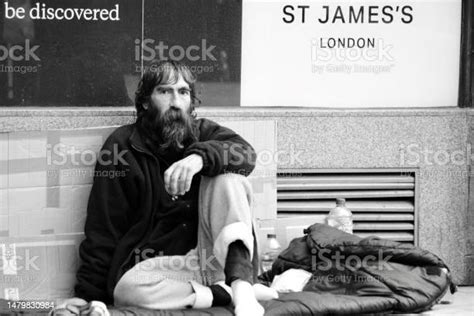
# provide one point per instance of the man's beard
(173, 129)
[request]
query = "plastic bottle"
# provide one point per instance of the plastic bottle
(271, 251)
(341, 217)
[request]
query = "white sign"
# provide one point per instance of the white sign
(350, 53)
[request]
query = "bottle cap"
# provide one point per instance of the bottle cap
(271, 235)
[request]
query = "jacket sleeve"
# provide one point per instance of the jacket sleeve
(105, 224)
(222, 150)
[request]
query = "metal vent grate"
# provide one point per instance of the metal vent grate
(382, 203)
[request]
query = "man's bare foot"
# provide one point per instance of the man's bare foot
(245, 303)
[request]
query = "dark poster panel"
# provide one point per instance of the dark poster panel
(68, 62)
(466, 67)
(204, 34)
(78, 62)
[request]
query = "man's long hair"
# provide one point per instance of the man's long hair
(163, 72)
(174, 129)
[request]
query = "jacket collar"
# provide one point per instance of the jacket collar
(137, 142)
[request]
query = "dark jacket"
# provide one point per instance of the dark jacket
(378, 274)
(128, 198)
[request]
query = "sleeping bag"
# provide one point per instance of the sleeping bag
(398, 277)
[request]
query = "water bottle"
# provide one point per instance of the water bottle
(271, 251)
(340, 217)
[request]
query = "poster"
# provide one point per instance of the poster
(347, 54)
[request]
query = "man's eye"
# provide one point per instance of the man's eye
(162, 91)
(185, 92)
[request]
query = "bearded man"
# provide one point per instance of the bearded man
(176, 230)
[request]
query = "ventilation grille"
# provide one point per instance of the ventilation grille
(383, 204)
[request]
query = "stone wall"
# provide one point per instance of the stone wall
(433, 141)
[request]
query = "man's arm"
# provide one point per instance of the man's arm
(105, 224)
(222, 150)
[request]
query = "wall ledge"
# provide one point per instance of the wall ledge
(50, 118)
(237, 111)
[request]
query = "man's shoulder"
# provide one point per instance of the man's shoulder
(205, 124)
(120, 136)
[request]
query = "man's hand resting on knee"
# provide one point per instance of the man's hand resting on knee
(78, 306)
(178, 176)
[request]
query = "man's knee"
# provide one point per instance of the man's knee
(228, 181)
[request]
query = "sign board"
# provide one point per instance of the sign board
(350, 53)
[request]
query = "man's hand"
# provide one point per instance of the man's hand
(78, 306)
(70, 306)
(178, 176)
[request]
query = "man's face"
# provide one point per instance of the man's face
(169, 113)
(176, 95)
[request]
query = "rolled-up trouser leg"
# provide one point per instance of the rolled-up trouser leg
(169, 282)
(224, 217)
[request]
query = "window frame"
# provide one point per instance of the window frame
(466, 87)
